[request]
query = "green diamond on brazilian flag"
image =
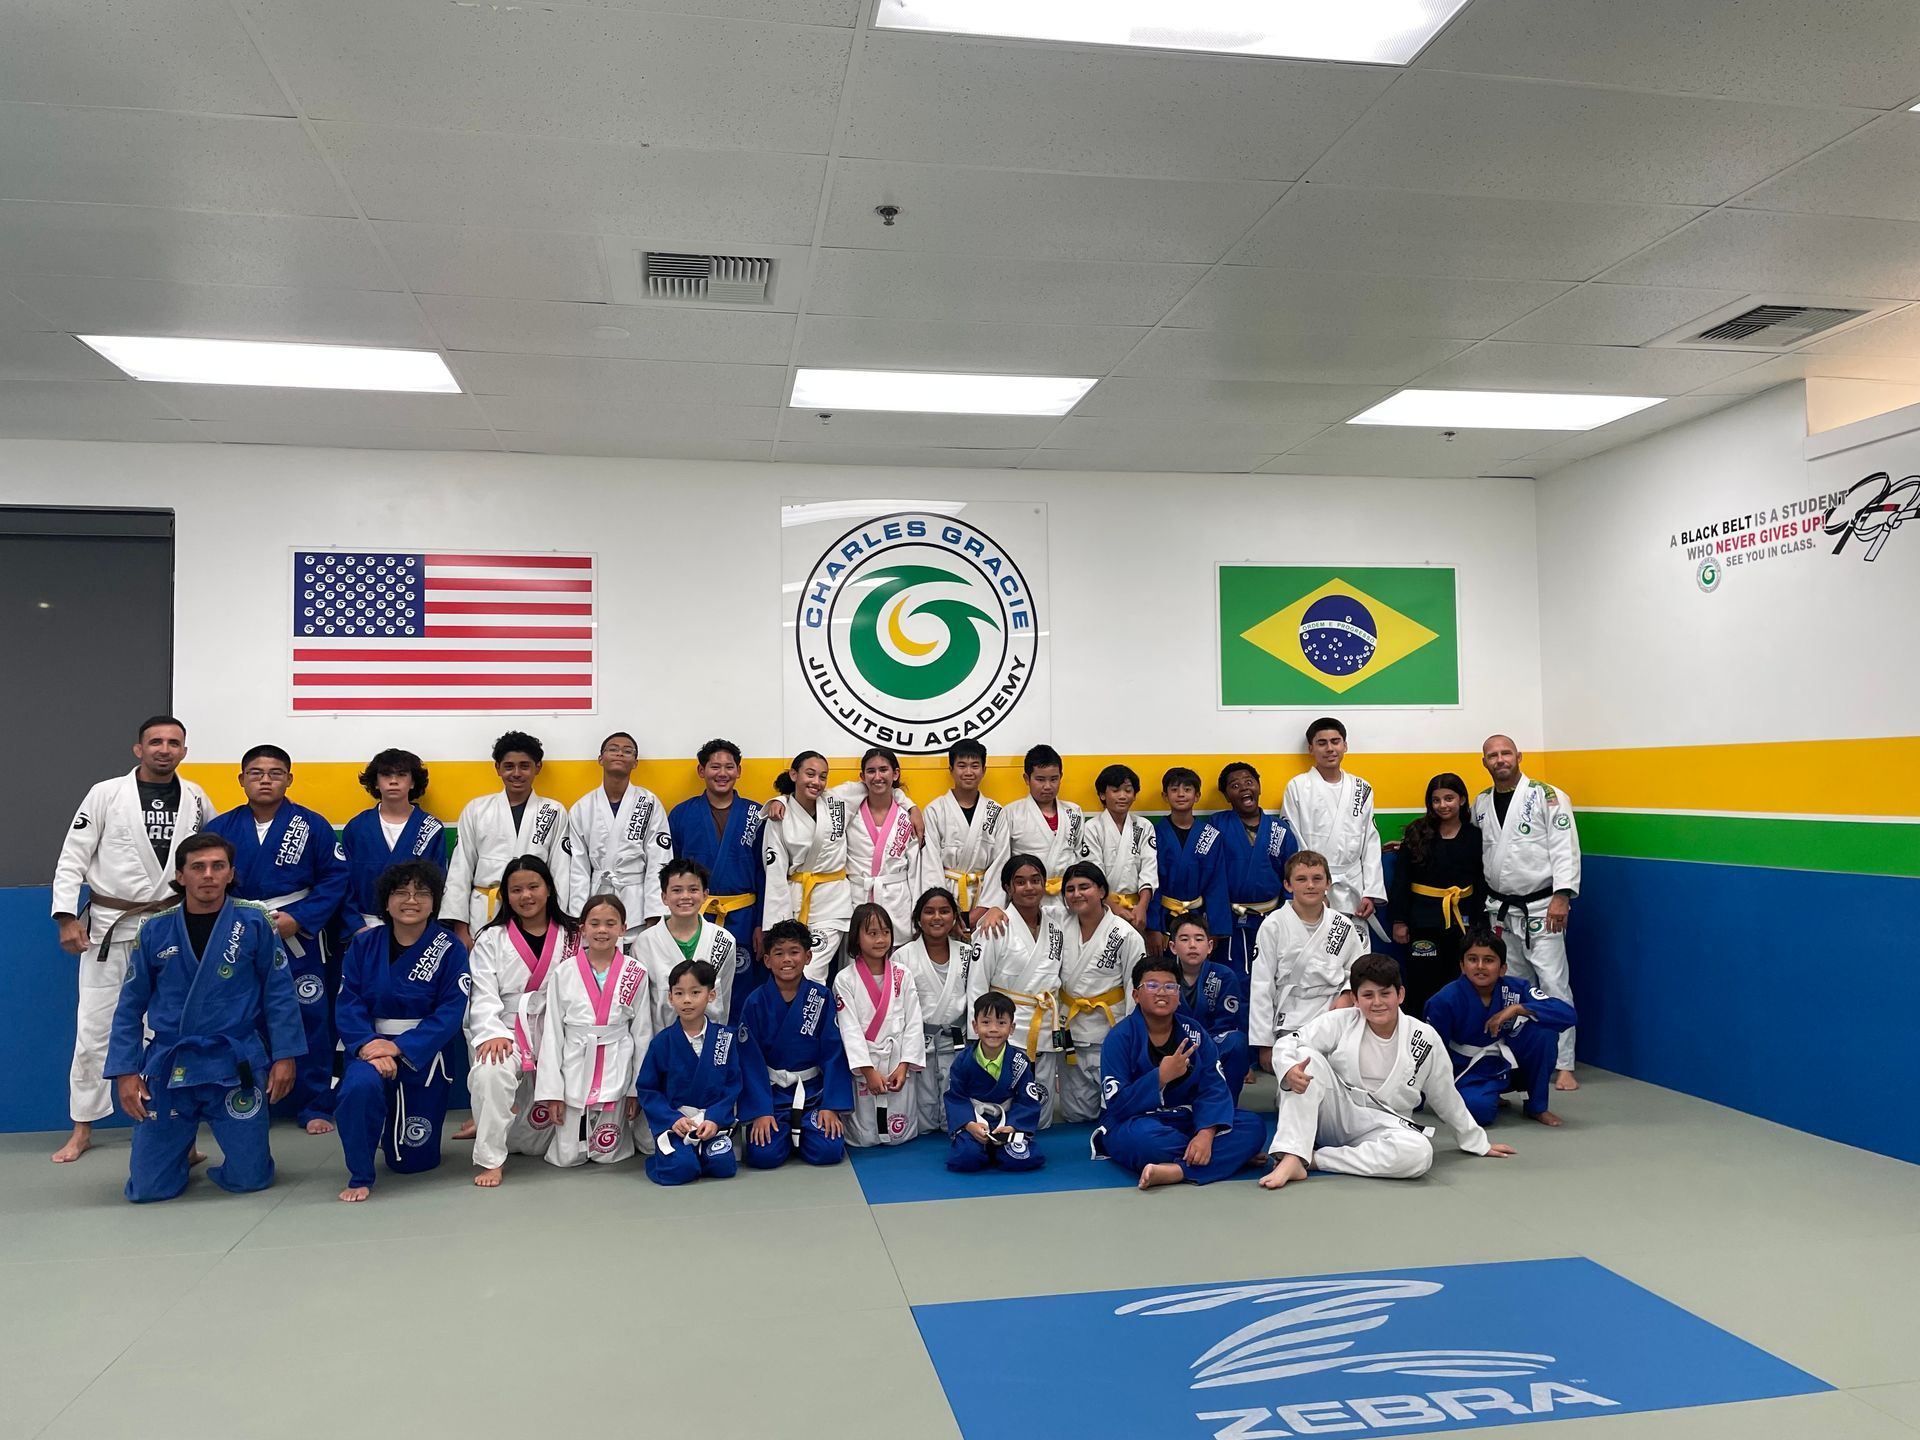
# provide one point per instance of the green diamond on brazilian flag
(1370, 635)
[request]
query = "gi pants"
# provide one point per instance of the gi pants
(1162, 1139)
(816, 1147)
(1482, 1084)
(402, 1117)
(238, 1114)
(967, 1155)
(676, 1160)
(1332, 1130)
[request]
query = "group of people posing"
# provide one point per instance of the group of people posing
(836, 966)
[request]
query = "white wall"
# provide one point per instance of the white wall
(1798, 645)
(689, 570)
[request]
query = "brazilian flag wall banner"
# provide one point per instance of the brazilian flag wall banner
(1361, 634)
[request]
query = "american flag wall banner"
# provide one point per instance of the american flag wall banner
(381, 632)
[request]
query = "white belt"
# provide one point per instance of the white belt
(664, 1140)
(393, 1027)
(604, 1034)
(280, 902)
(989, 1114)
(1474, 1054)
(798, 1080)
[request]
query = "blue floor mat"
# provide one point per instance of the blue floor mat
(899, 1174)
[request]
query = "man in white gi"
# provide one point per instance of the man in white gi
(496, 828)
(620, 836)
(1349, 1084)
(1531, 852)
(120, 846)
(1332, 812)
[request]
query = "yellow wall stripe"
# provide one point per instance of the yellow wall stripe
(1868, 778)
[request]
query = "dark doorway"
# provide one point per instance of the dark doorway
(86, 631)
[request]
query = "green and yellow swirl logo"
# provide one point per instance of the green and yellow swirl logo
(915, 630)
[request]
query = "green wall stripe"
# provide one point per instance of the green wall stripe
(1844, 846)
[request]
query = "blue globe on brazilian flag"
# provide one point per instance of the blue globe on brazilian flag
(1367, 634)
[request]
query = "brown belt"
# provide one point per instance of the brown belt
(109, 902)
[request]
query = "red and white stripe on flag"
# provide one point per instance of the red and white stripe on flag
(412, 633)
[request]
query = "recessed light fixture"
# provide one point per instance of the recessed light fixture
(1501, 410)
(275, 362)
(1380, 32)
(933, 394)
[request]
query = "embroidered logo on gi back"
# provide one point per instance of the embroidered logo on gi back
(916, 630)
(429, 829)
(543, 823)
(722, 1046)
(293, 844)
(1413, 1352)
(811, 1012)
(637, 822)
(1418, 1048)
(428, 965)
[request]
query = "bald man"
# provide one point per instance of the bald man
(1530, 852)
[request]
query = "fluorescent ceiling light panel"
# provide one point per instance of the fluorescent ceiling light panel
(1501, 410)
(274, 362)
(931, 394)
(1380, 32)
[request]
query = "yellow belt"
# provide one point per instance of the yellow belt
(718, 907)
(1078, 1005)
(1047, 1002)
(1129, 898)
(492, 892)
(806, 880)
(1452, 898)
(1177, 908)
(965, 880)
(1253, 907)
(1053, 885)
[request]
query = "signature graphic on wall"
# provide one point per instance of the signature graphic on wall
(1888, 504)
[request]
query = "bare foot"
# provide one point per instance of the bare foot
(318, 1126)
(1286, 1169)
(355, 1192)
(1563, 1080)
(487, 1179)
(1155, 1175)
(465, 1132)
(1545, 1117)
(77, 1145)
(196, 1156)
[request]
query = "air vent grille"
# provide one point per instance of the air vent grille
(1775, 327)
(721, 279)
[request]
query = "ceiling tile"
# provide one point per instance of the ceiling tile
(270, 405)
(1400, 232)
(791, 12)
(1635, 427)
(666, 332)
(917, 455)
(1470, 134)
(1332, 302)
(73, 404)
(1403, 445)
(630, 422)
(139, 54)
(1112, 432)
(599, 381)
(1597, 314)
(139, 241)
(182, 162)
(1781, 50)
(15, 314)
(1895, 334)
(1010, 291)
(1171, 460)
(1103, 111)
(861, 343)
(685, 81)
(574, 441)
(89, 305)
(1033, 214)
(1612, 369)
(529, 182)
(1283, 355)
(879, 427)
(334, 435)
(1749, 250)
(521, 264)
(53, 426)
(39, 355)
(1783, 369)
(1397, 466)
(1249, 402)
(1874, 172)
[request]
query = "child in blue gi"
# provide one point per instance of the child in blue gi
(1503, 1032)
(689, 1085)
(993, 1097)
(797, 1084)
(1212, 994)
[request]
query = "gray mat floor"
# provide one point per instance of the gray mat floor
(565, 1300)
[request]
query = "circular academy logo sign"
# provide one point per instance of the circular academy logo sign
(915, 630)
(1707, 577)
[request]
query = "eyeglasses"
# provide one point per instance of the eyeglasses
(1160, 987)
(626, 750)
(410, 892)
(266, 774)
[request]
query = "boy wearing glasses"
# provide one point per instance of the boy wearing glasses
(620, 835)
(1168, 1113)
(286, 858)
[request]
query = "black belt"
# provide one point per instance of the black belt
(1505, 905)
